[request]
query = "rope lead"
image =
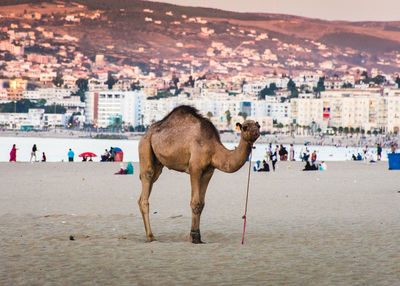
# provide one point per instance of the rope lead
(247, 196)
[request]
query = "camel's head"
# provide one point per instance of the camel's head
(250, 130)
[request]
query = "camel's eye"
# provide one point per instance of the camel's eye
(244, 128)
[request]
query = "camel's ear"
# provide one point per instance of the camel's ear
(238, 126)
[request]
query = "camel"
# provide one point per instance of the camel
(186, 141)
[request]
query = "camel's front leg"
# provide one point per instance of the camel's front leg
(199, 187)
(196, 205)
(148, 178)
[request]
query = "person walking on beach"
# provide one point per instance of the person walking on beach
(13, 154)
(71, 155)
(44, 157)
(291, 153)
(378, 151)
(33, 153)
(274, 157)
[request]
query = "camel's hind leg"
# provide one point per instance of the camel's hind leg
(199, 183)
(150, 170)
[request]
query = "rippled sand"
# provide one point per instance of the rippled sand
(78, 224)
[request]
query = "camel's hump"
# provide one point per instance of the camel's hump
(187, 111)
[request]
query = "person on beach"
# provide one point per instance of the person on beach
(13, 154)
(106, 156)
(314, 157)
(274, 157)
(265, 167)
(393, 147)
(269, 152)
(33, 153)
(128, 171)
(71, 155)
(282, 153)
(291, 153)
(44, 157)
(112, 154)
(378, 151)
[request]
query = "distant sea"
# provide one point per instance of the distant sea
(56, 149)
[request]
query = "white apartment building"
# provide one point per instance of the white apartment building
(366, 109)
(103, 105)
(47, 93)
(254, 88)
(35, 118)
(216, 107)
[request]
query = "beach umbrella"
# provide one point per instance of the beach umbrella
(87, 154)
(117, 149)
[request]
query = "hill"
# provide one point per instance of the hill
(161, 37)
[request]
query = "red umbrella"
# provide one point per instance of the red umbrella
(87, 154)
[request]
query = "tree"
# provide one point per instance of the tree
(364, 74)
(111, 81)
(191, 81)
(320, 85)
(347, 85)
(135, 86)
(117, 123)
(228, 117)
(398, 81)
(58, 81)
(379, 79)
(59, 109)
(243, 114)
(291, 86)
(267, 91)
(83, 86)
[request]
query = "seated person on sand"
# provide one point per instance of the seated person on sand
(265, 167)
(357, 158)
(310, 167)
(257, 166)
(127, 171)
(106, 156)
(84, 159)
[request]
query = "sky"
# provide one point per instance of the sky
(349, 10)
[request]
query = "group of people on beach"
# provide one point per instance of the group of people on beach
(13, 154)
(272, 154)
(279, 152)
(108, 156)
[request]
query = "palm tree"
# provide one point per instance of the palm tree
(243, 114)
(228, 117)
(117, 123)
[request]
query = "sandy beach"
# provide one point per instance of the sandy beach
(335, 227)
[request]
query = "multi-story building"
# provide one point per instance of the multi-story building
(366, 109)
(35, 118)
(102, 106)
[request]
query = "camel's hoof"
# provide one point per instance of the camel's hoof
(150, 238)
(195, 237)
(197, 241)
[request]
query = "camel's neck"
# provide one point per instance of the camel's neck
(230, 161)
